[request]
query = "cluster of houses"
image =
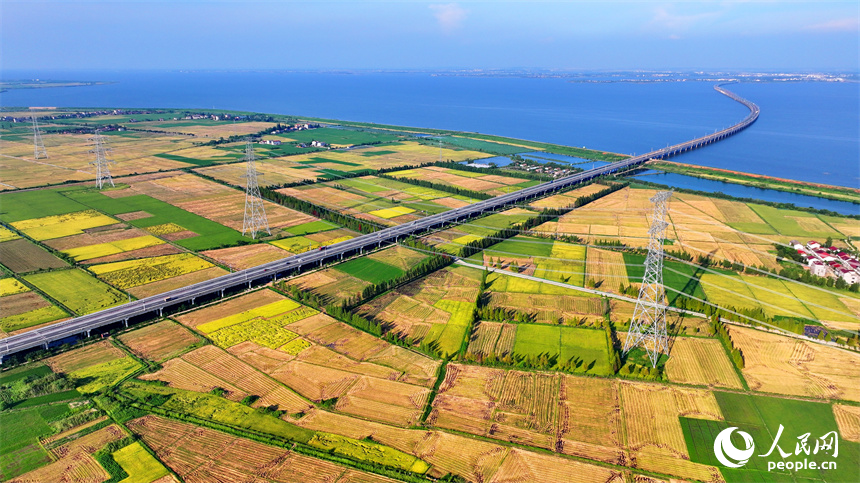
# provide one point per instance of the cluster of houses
(829, 261)
(294, 127)
(551, 169)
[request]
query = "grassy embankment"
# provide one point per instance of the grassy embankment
(759, 181)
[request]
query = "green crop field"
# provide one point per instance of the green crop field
(25, 205)
(521, 246)
(566, 342)
(485, 146)
(210, 234)
(370, 270)
(20, 450)
(790, 222)
(677, 276)
(311, 227)
(761, 417)
(200, 162)
(94, 378)
(77, 290)
(19, 373)
(31, 318)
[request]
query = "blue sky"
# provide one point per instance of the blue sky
(192, 34)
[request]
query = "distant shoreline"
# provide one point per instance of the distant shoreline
(30, 84)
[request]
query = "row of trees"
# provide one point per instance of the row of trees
(440, 187)
(495, 171)
(718, 328)
(351, 222)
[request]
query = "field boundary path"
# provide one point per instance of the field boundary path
(632, 300)
(268, 272)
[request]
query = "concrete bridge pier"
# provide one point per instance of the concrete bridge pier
(222, 293)
(88, 332)
(125, 322)
(160, 311)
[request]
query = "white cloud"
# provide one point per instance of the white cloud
(449, 15)
(665, 19)
(840, 25)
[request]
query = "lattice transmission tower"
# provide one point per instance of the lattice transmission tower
(39, 150)
(255, 213)
(648, 326)
(100, 150)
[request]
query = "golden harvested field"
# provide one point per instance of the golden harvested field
(208, 367)
(208, 199)
(848, 419)
(70, 157)
(657, 461)
(277, 171)
(568, 198)
(701, 361)
(473, 459)
(590, 418)
(247, 256)
(90, 355)
(315, 382)
(608, 266)
(522, 466)
(651, 419)
(490, 184)
(785, 365)
(385, 401)
(332, 285)
(73, 461)
(191, 452)
(361, 353)
(230, 307)
(160, 341)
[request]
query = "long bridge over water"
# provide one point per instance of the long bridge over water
(150, 306)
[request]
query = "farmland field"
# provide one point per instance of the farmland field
(134, 273)
(160, 341)
(88, 293)
(491, 369)
(433, 309)
(139, 464)
(789, 366)
(23, 256)
(701, 361)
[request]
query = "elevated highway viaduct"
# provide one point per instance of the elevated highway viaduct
(151, 306)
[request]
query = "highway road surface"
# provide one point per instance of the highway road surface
(262, 274)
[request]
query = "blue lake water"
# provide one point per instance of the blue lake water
(807, 131)
(740, 191)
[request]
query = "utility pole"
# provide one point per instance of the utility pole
(255, 213)
(648, 326)
(101, 162)
(39, 150)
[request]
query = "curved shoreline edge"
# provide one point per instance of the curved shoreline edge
(266, 273)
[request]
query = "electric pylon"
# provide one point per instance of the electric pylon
(648, 325)
(101, 162)
(39, 150)
(255, 213)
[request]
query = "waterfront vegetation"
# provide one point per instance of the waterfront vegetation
(765, 182)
